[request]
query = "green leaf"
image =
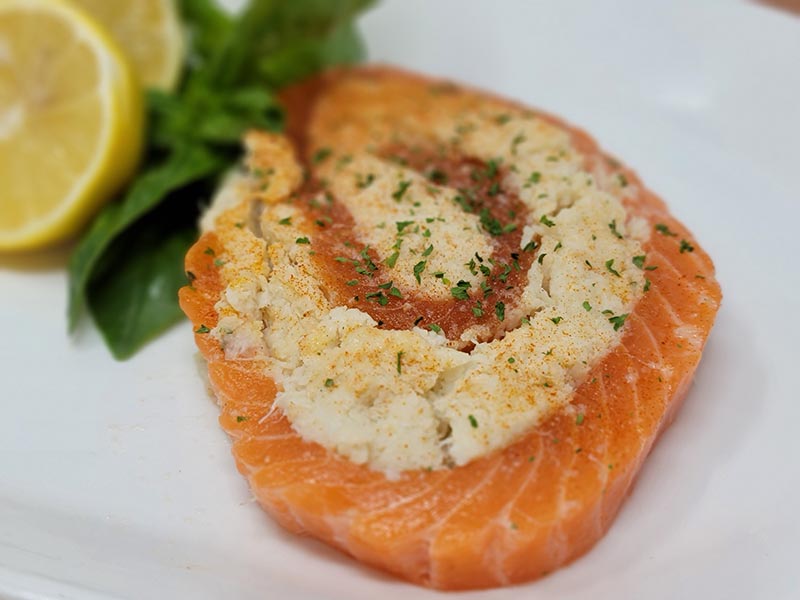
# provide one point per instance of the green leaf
(211, 117)
(266, 27)
(305, 56)
(206, 23)
(136, 298)
(184, 167)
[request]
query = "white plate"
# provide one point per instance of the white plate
(115, 480)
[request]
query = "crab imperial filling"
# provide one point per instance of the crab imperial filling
(406, 325)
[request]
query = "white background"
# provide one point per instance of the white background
(115, 480)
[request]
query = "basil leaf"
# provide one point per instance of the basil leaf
(306, 56)
(134, 299)
(206, 24)
(187, 165)
(211, 117)
(267, 26)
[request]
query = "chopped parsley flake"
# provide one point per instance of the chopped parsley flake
(202, 329)
(557, 320)
(500, 311)
(493, 226)
(579, 419)
(401, 225)
(378, 297)
(613, 227)
(518, 139)
(618, 321)
(686, 247)
(460, 291)
(511, 360)
(438, 177)
(321, 154)
(209, 251)
(428, 250)
(544, 220)
(241, 418)
(329, 382)
(639, 261)
(610, 267)
(530, 246)
(491, 168)
(586, 306)
(435, 328)
(418, 268)
(535, 177)
(352, 282)
(463, 203)
(664, 230)
(364, 182)
(646, 287)
(286, 221)
(400, 362)
(473, 421)
(392, 259)
(302, 240)
(623, 181)
(402, 187)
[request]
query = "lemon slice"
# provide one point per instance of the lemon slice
(70, 121)
(149, 31)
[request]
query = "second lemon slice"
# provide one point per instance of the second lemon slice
(70, 121)
(149, 31)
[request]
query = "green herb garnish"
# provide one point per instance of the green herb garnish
(127, 268)
(664, 230)
(610, 267)
(618, 321)
(418, 268)
(460, 291)
(402, 187)
(320, 155)
(500, 311)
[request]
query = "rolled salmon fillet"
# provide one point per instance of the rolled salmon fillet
(444, 330)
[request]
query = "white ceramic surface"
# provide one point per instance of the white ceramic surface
(116, 482)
